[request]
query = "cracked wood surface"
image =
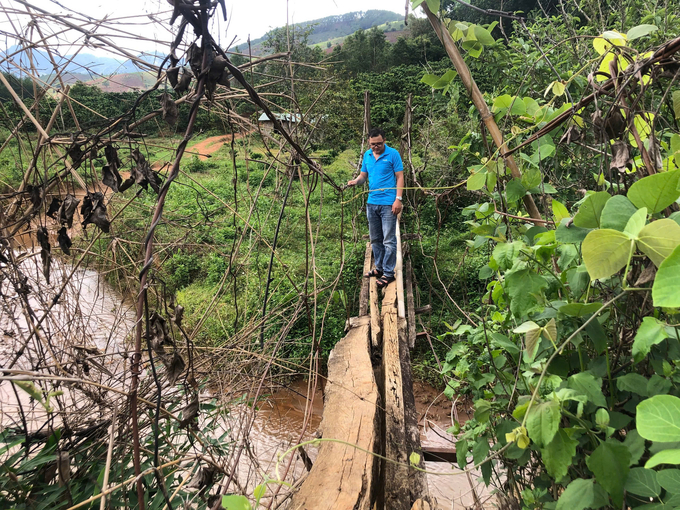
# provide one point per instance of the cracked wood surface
(343, 477)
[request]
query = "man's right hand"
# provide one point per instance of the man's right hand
(353, 182)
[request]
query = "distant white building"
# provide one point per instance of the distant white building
(287, 120)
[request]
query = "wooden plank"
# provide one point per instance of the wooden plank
(397, 485)
(410, 304)
(363, 297)
(399, 274)
(417, 479)
(343, 476)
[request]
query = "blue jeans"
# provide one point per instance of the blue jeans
(382, 227)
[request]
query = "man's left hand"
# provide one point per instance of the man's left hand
(397, 206)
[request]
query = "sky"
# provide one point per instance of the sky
(245, 18)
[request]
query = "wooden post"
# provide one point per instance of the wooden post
(480, 104)
(343, 476)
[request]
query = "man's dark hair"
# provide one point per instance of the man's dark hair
(376, 132)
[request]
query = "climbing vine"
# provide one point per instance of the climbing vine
(572, 359)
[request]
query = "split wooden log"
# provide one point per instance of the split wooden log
(344, 476)
(397, 493)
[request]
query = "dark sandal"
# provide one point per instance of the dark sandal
(372, 273)
(384, 281)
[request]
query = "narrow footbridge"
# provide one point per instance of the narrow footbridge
(369, 408)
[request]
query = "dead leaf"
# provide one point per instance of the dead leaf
(572, 134)
(64, 241)
(175, 368)
(184, 81)
(158, 334)
(190, 412)
(111, 154)
(179, 315)
(655, 154)
(54, 207)
(170, 110)
(35, 194)
(45, 251)
(111, 177)
(203, 478)
(620, 156)
(93, 210)
(646, 276)
(67, 209)
(142, 172)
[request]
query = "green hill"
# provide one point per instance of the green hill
(334, 27)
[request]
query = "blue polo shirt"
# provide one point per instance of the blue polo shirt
(382, 183)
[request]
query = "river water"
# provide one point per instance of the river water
(92, 319)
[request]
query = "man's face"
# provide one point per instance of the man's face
(377, 144)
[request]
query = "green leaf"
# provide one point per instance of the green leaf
(589, 385)
(676, 104)
(651, 332)
(616, 213)
(542, 422)
(635, 383)
(658, 239)
(669, 479)
(429, 79)
(558, 88)
(655, 192)
(636, 223)
(642, 482)
(635, 445)
(461, 453)
(658, 418)
(476, 181)
(571, 234)
(259, 491)
(445, 80)
(482, 411)
(483, 35)
(664, 457)
(610, 464)
(568, 254)
(558, 453)
(506, 253)
(526, 327)
(559, 211)
(414, 459)
(582, 494)
(640, 31)
(531, 342)
(666, 288)
(433, 5)
(504, 342)
(579, 309)
(523, 287)
(605, 252)
(235, 502)
(514, 190)
(589, 213)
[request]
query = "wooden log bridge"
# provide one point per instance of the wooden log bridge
(371, 407)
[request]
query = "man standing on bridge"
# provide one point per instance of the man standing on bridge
(384, 169)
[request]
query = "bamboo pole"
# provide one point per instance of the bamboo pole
(480, 104)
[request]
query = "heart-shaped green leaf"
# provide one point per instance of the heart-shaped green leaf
(605, 251)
